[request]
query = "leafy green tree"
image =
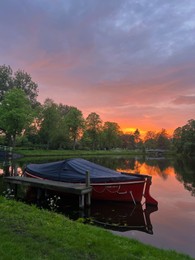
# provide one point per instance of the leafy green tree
(31, 136)
(63, 131)
(63, 109)
(184, 138)
(21, 80)
(51, 124)
(177, 139)
(93, 129)
(24, 81)
(74, 123)
(6, 82)
(111, 135)
(31, 133)
(15, 114)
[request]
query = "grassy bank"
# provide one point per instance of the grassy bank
(27, 152)
(72, 153)
(27, 232)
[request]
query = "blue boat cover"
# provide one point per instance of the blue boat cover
(74, 170)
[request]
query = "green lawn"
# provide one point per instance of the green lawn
(27, 232)
(37, 152)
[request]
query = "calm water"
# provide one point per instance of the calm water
(171, 226)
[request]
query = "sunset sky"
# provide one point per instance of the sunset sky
(130, 61)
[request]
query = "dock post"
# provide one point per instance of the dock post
(87, 179)
(81, 201)
(88, 195)
(88, 199)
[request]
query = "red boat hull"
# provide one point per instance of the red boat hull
(129, 191)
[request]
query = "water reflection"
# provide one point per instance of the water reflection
(185, 172)
(123, 216)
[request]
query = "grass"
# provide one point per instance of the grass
(27, 232)
(28, 152)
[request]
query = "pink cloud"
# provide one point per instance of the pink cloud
(184, 100)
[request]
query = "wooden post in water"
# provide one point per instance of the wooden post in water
(81, 201)
(88, 199)
(85, 198)
(87, 179)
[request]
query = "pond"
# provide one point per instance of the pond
(170, 226)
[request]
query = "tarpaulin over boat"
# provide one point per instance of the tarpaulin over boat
(74, 170)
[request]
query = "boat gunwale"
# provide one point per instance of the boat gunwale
(94, 183)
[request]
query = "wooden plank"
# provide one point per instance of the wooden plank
(51, 185)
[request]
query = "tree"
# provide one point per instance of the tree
(128, 141)
(162, 140)
(188, 137)
(21, 80)
(6, 81)
(15, 114)
(177, 139)
(137, 139)
(111, 135)
(184, 138)
(137, 136)
(63, 109)
(150, 140)
(93, 129)
(51, 125)
(74, 122)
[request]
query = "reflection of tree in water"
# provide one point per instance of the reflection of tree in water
(111, 163)
(136, 165)
(151, 167)
(159, 166)
(185, 173)
(155, 170)
(129, 164)
(115, 162)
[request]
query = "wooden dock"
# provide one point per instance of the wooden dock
(82, 190)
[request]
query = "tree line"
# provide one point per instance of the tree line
(26, 122)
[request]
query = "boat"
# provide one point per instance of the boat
(107, 184)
